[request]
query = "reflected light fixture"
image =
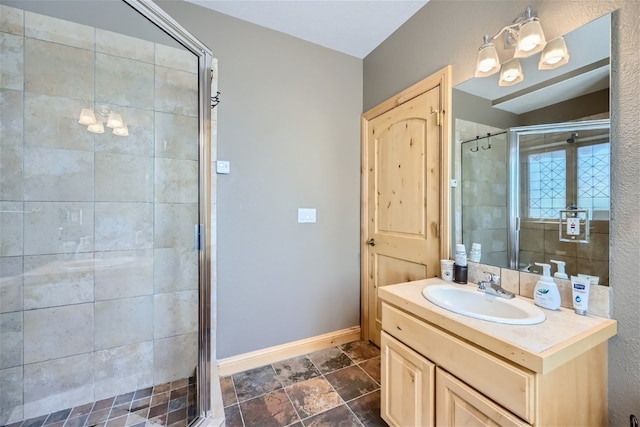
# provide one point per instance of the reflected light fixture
(526, 35)
(121, 130)
(87, 117)
(97, 127)
(554, 55)
(114, 121)
(511, 73)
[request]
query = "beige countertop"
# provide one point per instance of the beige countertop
(540, 348)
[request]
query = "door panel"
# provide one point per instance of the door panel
(404, 200)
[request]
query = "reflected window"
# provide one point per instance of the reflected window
(572, 176)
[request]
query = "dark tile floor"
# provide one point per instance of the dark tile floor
(171, 404)
(338, 386)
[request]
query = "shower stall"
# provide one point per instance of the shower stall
(104, 209)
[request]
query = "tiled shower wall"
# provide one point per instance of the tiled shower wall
(484, 214)
(71, 333)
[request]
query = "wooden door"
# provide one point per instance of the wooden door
(458, 405)
(405, 191)
(408, 385)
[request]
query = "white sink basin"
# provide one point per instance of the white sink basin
(468, 301)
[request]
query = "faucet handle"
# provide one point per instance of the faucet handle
(494, 279)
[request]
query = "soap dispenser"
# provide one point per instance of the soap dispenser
(546, 293)
(560, 274)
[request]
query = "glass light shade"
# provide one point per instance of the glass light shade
(97, 127)
(87, 117)
(488, 62)
(121, 131)
(114, 121)
(530, 39)
(511, 73)
(554, 55)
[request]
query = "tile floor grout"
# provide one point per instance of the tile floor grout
(283, 384)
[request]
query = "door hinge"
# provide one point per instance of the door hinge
(437, 113)
(198, 237)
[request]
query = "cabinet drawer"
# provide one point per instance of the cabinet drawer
(510, 386)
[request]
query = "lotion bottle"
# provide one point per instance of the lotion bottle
(560, 274)
(546, 293)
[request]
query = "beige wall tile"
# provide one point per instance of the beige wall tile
(49, 283)
(58, 175)
(180, 59)
(12, 60)
(59, 383)
(596, 249)
(124, 82)
(175, 357)
(11, 159)
(11, 409)
(123, 178)
(528, 283)
(125, 46)
(174, 225)
(11, 117)
(175, 314)
(57, 70)
(60, 31)
(123, 369)
(175, 269)
(176, 136)
(46, 329)
(123, 226)
(510, 280)
(11, 20)
(11, 340)
(599, 301)
(48, 225)
(11, 225)
(176, 91)
(123, 321)
(176, 181)
(55, 128)
(126, 274)
(10, 284)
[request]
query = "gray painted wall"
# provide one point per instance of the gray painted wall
(429, 42)
(289, 123)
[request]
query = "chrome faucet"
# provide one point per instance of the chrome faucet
(492, 287)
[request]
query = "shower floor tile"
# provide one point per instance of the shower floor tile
(171, 404)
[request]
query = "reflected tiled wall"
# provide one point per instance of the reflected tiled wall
(484, 215)
(71, 333)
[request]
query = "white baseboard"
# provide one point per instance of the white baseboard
(242, 362)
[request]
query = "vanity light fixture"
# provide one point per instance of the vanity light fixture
(526, 36)
(114, 121)
(97, 127)
(554, 55)
(121, 131)
(511, 73)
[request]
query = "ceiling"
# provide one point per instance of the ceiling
(353, 27)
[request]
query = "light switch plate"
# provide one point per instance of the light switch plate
(306, 215)
(223, 166)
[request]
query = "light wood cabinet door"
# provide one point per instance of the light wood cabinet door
(458, 405)
(407, 385)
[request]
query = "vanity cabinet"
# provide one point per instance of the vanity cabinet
(437, 370)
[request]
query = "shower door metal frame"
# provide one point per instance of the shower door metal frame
(157, 16)
(513, 185)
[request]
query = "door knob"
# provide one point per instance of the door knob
(371, 242)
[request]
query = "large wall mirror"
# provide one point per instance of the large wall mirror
(532, 155)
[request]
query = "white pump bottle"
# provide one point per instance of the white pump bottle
(560, 274)
(546, 293)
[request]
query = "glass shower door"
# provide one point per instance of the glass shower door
(99, 194)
